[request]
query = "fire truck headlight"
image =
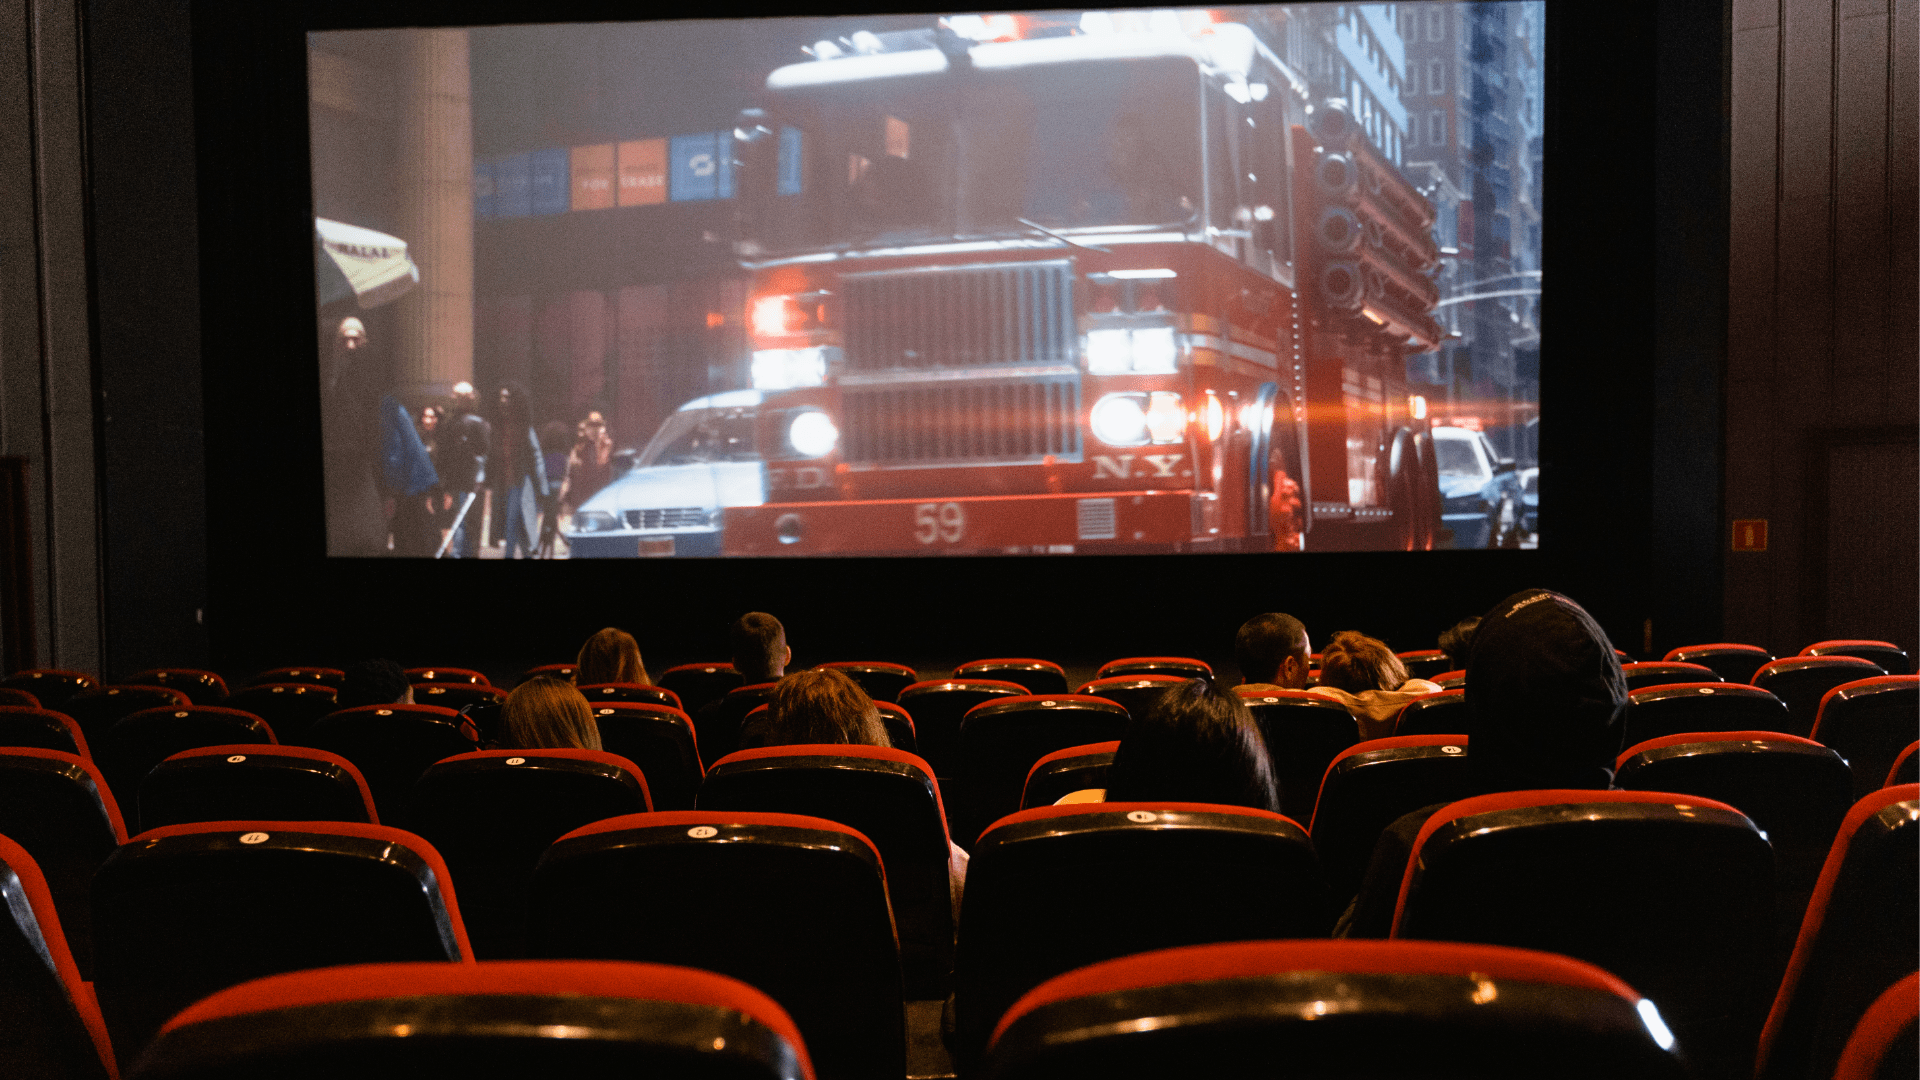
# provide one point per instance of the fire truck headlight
(1166, 418)
(1154, 351)
(1120, 420)
(784, 369)
(1109, 352)
(812, 433)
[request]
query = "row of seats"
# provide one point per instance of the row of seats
(1667, 892)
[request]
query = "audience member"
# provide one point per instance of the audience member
(1273, 653)
(817, 706)
(610, 656)
(375, 682)
(545, 713)
(760, 655)
(1548, 704)
(1195, 743)
(1457, 641)
(1363, 674)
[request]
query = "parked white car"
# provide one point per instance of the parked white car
(1481, 493)
(702, 460)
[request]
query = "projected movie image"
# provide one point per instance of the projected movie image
(1258, 279)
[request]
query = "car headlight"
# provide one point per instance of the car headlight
(1150, 351)
(812, 433)
(587, 521)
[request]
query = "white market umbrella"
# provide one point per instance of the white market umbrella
(369, 266)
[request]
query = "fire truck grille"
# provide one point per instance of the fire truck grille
(969, 317)
(965, 423)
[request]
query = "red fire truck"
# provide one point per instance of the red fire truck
(1078, 292)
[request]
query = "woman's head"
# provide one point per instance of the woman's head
(610, 656)
(1195, 743)
(545, 713)
(1357, 663)
(823, 706)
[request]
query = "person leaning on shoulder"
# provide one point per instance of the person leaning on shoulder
(1363, 674)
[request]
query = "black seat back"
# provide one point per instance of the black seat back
(698, 684)
(938, 706)
(882, 681)
(1684, 708)
(661, 741)
(1000, 741)
(1369, 786)
(1661, 673)
(1444, 713)
(1038, 676)
(1304, 733)
(1869, 722)
(255, 783)
(290, 708)
(45, 1008)
(1063, 772)
(130, 750)
(1801, 681)
(392, 745)
(58, 807)
(42, 728)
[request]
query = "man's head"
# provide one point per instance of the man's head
(352, 333)
(760, 652)
(375, 682)
(463, 399)
(1273, 648)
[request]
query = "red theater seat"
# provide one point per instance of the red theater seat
(881, 680)
(51, 687)
(1038, 676)
(1183, 667)
(938, 705)
(255, 783)
(201, 687)
(1892, 658)
(1662, 673)
(1000, 741)
(1859, 937)
(1673, 893)
(1425, 663)
(1802, 681)
(42, 728)
(888, 796)
(392, 745)
(187, 910)
(552, 671)
(60, 809)
(315, 676)
(1063, 772)
(17, 699)
(900, 731)
(132, 747)
(1304, 733)
(1882, 1046)
(1450, 680)
(493, 813)
(1684, 708)
(1335, 1008)
(1794, 789)
(290, 708)
(1906, 767)
(447, 675)
(481, 703)
(49, 1023)
(1444, 713)
(1060, 887)
(98, 709)
(1736, 663)
(698, 684)
(1869, 722)
(603, 693)
(658, 739)
(1134, 693)
(796, 906)
(561, 1019)
(1370, 785)
(718, 725)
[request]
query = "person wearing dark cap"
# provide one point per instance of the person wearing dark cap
(1547, 709)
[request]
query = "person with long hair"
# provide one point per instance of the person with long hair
(821, 705)
(1363, 674)
(610, 656)
(545, 713)
(1195, 743)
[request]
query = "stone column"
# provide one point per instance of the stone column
(434, 183)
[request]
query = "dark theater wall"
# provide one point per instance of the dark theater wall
(1823, 339)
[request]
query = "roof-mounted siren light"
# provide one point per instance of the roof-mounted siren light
(1230, 47)
(1000, 27)
(823, 50)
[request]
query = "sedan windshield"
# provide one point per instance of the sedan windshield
(1456, 458)
(971, 153)
(699, 436)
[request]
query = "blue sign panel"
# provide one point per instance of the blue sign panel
(482, 190)
(700, 166)
(512, 187)
(791, 176)
(551, 191)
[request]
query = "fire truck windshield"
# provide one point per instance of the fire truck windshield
(967, 154)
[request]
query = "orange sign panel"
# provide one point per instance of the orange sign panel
(592, 168)
(1750, 535)
(643, 172)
